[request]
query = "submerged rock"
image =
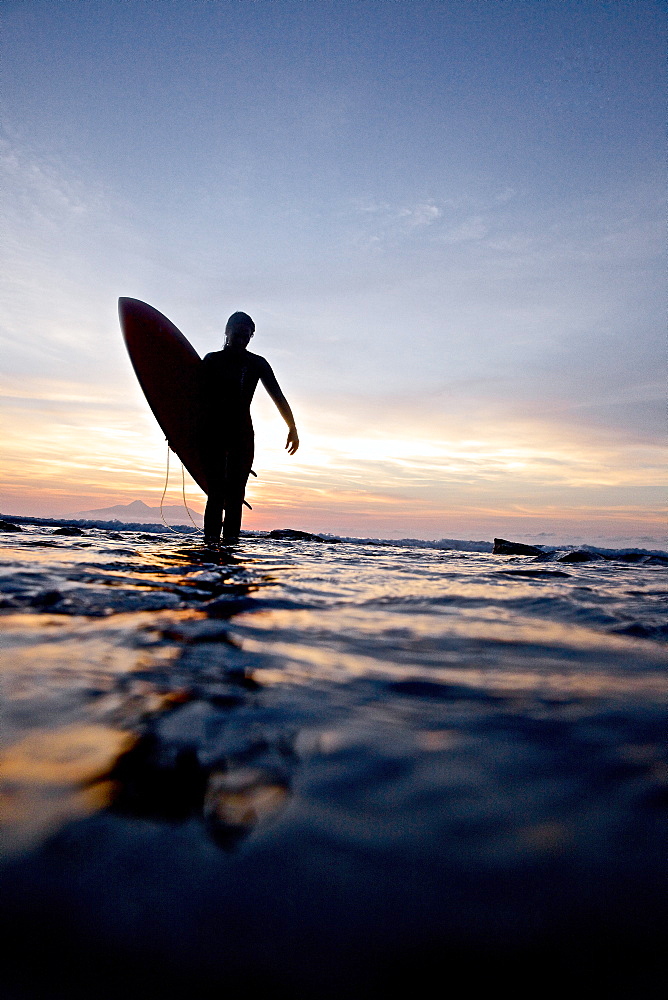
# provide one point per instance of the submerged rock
(292, 535)
(46, 599)
(9, 526)
(580, 555)
(502, 547)
(68, 529)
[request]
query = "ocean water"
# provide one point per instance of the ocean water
(314, 769)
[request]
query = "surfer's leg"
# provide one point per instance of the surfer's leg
(232, 523)
(239, 465)
(234, 501)
(213, 517)
(213, 512)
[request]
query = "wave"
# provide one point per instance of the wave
(455, 544)
(549, 552)
(115, 525)
(628, 554)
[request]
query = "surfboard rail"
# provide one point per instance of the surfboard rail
(167, 369)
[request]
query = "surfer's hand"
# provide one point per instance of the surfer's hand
(293, 441)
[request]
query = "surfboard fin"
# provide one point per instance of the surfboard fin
(253, 473)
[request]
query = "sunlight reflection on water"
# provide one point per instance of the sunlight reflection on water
(295, 741)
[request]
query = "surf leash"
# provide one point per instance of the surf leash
(183, 492)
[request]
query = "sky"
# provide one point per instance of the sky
(446, 219)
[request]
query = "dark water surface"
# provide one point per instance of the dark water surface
(306, 769)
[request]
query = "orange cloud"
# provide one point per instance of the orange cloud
(66, 449)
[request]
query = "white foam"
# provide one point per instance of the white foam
(446, 544)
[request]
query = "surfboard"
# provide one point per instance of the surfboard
(166, 365)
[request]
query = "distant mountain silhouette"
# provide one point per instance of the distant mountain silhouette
(140, 512)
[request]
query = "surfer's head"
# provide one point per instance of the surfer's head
(238, 330)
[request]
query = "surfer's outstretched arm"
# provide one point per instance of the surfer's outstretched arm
(274, 390)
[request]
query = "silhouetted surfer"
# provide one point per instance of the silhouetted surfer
(229, 380)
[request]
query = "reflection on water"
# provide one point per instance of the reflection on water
(122, 635)
(169, 779)
(329, 734)
(52, 776)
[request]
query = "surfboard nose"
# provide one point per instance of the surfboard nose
(125, 304)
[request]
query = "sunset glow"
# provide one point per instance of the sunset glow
(469, 338)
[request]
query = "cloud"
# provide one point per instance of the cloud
(474, 228)
(421, 215)
(503, 197)
(38, 186)
(391, 222)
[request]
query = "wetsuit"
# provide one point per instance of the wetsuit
(228, 380)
